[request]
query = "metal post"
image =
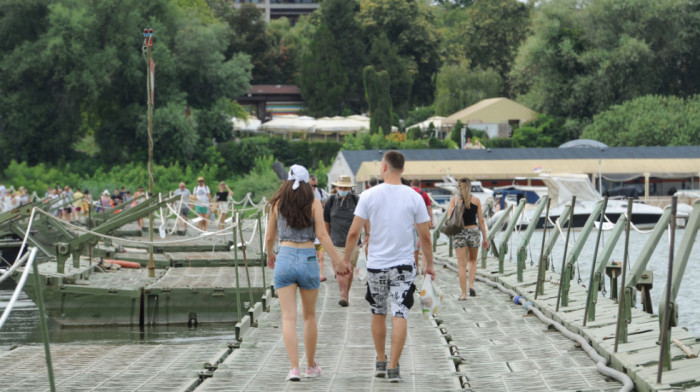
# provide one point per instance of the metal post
(42, 320)
(621, 303)
(262, 254)
(245, 260)
(542, 267)
(566, 248)
(235, 263)
(665, 351)
(595, 257)
(522, 248)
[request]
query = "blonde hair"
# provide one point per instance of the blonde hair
(465, 189)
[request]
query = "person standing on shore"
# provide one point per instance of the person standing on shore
(393, 210)
(201, 208)
(298, 218)
(222, 203)
(467, 241)
(183, 205)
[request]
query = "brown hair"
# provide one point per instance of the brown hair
(394, 159)
(465, 189)
(295, 205)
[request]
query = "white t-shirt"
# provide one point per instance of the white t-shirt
(201, 192)
(392, 211)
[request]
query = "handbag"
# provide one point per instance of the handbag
(454, 223)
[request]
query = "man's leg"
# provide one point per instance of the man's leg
(379, 335)
(399, 328)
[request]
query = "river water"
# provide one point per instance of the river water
(23, 325)
(688, 294)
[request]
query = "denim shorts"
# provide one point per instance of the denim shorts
(297, 265)
(391, 286)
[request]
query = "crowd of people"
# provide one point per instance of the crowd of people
(72, 205)
(396, 220)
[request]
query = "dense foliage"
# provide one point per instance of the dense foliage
(648, 121)
(585, 56)
(73, 97)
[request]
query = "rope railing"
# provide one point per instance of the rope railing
(29, 258)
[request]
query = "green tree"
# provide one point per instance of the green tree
(459, 87)
(323, 81)
(651, 120)
(584, 57)
(340, 18)
(383, 111)
(543, 131)
(369, 79)
(410, 27)
(78, 72)
(495, 31)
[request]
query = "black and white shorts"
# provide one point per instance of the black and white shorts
(391, 285)
(467, 237)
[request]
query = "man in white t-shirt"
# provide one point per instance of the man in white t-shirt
(393, 210)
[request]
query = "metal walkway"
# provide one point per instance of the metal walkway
(486, 343)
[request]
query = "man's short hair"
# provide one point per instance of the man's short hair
(394, 159)
(312, 177)
(415, 182)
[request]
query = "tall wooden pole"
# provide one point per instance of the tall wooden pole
(150, 69)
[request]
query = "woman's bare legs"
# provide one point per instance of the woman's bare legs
(288, 305)
(308, 311)
(473, 252)
(462, 270)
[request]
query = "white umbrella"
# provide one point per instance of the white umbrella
(438, 122)
(341, 125)
(250, 124)
(289, 124)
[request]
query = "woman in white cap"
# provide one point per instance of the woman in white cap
(298, 218)
(338, 214)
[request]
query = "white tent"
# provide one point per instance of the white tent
(289, 124)
(250, 124)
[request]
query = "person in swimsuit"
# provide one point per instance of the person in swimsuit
(467, 241)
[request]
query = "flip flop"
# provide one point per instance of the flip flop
(461, 299)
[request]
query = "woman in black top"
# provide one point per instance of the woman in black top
(467, 241)
(222, 203)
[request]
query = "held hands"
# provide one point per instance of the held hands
(271, 258)
(342, 267)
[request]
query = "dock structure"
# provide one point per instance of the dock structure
(486, 343)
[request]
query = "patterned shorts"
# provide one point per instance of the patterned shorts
(467, 237)
(394, 285)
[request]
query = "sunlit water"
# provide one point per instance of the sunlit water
(23, 325)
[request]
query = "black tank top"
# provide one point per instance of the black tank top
(469, 215)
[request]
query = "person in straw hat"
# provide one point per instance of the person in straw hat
(338, 214)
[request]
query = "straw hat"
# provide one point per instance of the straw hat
(344, 181)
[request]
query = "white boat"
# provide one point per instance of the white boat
(561, 188)
(448, 187)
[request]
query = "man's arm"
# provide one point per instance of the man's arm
(426, 247)
(353, 236)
